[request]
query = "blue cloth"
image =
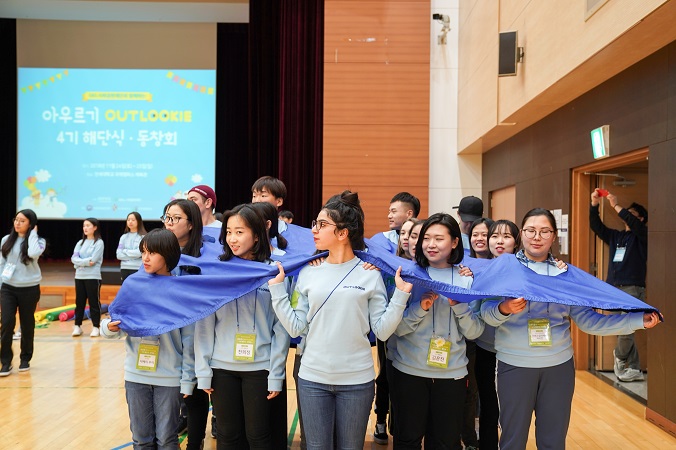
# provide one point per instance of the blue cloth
(382, 241)
(152, 305)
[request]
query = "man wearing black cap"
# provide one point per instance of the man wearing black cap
(470, 209)
(205, 199)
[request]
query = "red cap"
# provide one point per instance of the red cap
(206, 192)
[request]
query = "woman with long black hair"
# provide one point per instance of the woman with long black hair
(21, 277)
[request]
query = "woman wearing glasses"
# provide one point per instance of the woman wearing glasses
(535, 370)
(182, 217)
(335, 304)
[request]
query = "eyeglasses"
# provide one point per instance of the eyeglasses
(173, 220)
(321, 224)
(530, 233)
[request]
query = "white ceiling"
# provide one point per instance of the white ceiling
(234, 11)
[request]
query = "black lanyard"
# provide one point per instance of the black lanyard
(332, 290)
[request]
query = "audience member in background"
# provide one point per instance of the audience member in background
(21, 277)
(205, 199)
(286, 216)
(470, 209)
(87, 259)
(127, 250)
(402, 248)
(628, 256)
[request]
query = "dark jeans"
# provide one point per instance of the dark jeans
(197, 410)
(25, 299)
(242, 409)
(87, 289)
(427, 406)
(484, 369)
(382, 403)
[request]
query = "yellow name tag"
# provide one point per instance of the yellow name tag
(539, 333)
(245, 345)
(437, 356)
(148, 354)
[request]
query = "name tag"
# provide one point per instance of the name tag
(539, 333)
(148, 354)
(8, 271)
(619, 254)
(245, 345)
(437, 356)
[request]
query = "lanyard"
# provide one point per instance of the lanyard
(336, 287)
(449, 313)
(254, 312)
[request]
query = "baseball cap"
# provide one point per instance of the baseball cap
(205, 191)
(470, 209)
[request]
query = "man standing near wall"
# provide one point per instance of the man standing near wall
(628, 256)
(470, 209)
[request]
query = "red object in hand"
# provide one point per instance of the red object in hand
(603, 192)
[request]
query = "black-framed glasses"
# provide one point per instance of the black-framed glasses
(173, 220)
(319, 224)
(530, 233)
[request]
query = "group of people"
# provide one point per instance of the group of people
(429, 346)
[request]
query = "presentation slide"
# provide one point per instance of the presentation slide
(104, 142)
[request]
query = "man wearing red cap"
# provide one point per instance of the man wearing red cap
(205, 199)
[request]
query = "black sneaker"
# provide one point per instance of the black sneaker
(182, 426)
(25, 366)
(380, 434)
(6, 370)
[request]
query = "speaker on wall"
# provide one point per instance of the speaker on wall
(508, 54)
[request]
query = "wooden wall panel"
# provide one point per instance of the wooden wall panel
(357, 93)
(376, 102)
(372, 31)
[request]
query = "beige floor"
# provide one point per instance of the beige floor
(73, 397)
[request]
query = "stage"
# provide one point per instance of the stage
(57, 287)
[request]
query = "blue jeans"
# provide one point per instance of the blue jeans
(340, 410)
(153, 415)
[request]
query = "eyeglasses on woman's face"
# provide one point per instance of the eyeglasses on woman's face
(545, 233)
(319, 224)
(173, 219)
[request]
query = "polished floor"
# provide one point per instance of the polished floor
(73, 397)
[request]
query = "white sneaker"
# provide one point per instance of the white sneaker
(95, 332)
(631, 375)
(16, 336)
(77, 330)
(619, 367)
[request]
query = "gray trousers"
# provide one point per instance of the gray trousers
(626, 346)
(548, 392)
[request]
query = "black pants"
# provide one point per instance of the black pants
(484, 369)
(87, 289)
(296, 368)
(25, 299)
(427, 407)
(124, 273)
(242, 410)
(197, 411)
(382, 403)
(469, 421)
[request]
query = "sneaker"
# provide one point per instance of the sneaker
(619, 366)
(25, 366)
(17, 336)
(631, 375)
(6, 370)
(182, 426)
(95, 332)
(77, 330)
(380, 434)
(213, 427)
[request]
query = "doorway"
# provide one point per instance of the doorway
(626, 177)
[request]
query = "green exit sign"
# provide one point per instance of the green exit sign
(600, 138)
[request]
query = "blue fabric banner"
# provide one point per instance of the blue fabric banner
(151, 305)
